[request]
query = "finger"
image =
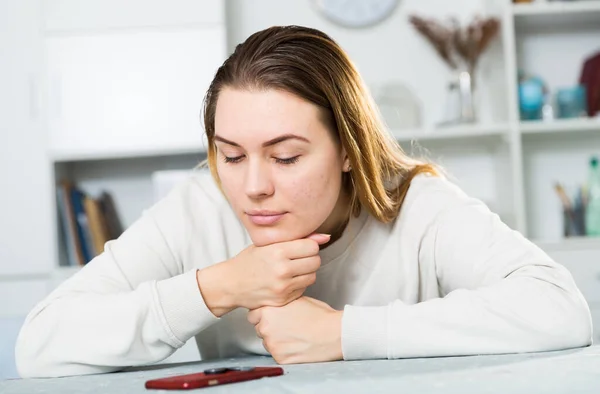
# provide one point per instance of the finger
(320, 238)
(302, 282)
(264, 343)
(303, 266)
(294, 295)
(254, 316)
(300, 248)
(258, 332)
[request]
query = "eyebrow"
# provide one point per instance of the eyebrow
(272, 142)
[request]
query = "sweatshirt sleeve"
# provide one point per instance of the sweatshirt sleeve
(500, 294)
(134, 304)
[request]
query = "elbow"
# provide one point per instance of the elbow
(36, 358)
(579, 330)
(36, 354)
(33, 355)
(27, 367)
(28, 356)
(568, 323)
(556, 315)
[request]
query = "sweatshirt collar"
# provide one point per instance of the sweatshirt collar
(352, 230)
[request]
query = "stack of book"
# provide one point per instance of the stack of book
(87, 223)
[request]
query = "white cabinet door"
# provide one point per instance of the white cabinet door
(76, 15)
(130, 90)
(26, 201)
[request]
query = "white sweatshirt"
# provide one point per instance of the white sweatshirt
(447, 277)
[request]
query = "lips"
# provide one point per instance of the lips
(264, 217)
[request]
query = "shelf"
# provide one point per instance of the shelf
(561, 126)
(59, 156)
(555, 14)
(570, 244)
(540, 8)
(475, 131)
(64, 272)
(59, 273)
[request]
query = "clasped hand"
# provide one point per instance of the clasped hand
(270, 282)
(305, 330)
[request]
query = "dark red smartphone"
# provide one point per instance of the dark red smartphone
(213, 377)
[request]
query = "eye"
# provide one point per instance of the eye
(232, 160)
(290, 160)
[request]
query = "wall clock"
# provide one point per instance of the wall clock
(356, 13)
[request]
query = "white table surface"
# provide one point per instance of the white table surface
(568, 371)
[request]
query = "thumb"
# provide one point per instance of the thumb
(320, 238)
(254, 316)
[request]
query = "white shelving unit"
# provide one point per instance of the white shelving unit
(568, 8)
(570, 244)
(473, 131)
(552, 40)
(124, 93)
(561, 126)
(564, 13)
(76, 155)
(475, 156)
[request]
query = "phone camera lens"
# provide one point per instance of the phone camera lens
(215, 371)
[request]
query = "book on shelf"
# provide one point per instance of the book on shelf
(87, 223)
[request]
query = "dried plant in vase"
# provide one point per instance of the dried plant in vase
(460, 48)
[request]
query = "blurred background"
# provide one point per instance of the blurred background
(100, 116)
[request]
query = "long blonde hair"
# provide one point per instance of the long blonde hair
(308, 63)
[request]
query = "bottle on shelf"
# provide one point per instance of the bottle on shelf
(592, 214)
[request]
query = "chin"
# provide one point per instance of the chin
(268, 236)
(283, 231)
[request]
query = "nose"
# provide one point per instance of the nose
(258, 182)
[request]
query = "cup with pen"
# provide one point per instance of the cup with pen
(573, 212)
(582, 217)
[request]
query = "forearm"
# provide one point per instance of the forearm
(521, 314)
(75, 332)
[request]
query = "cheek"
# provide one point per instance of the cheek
(314, 190)
(230, 184)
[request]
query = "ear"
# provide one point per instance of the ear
(346, 167)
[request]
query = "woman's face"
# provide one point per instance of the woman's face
(280, 166)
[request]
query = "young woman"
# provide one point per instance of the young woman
(314, 238)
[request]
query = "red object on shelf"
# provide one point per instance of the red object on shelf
(590, 78)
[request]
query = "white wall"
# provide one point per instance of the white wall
(25, 177)
(25, 204)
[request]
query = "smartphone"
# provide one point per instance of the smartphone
(213, 377)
